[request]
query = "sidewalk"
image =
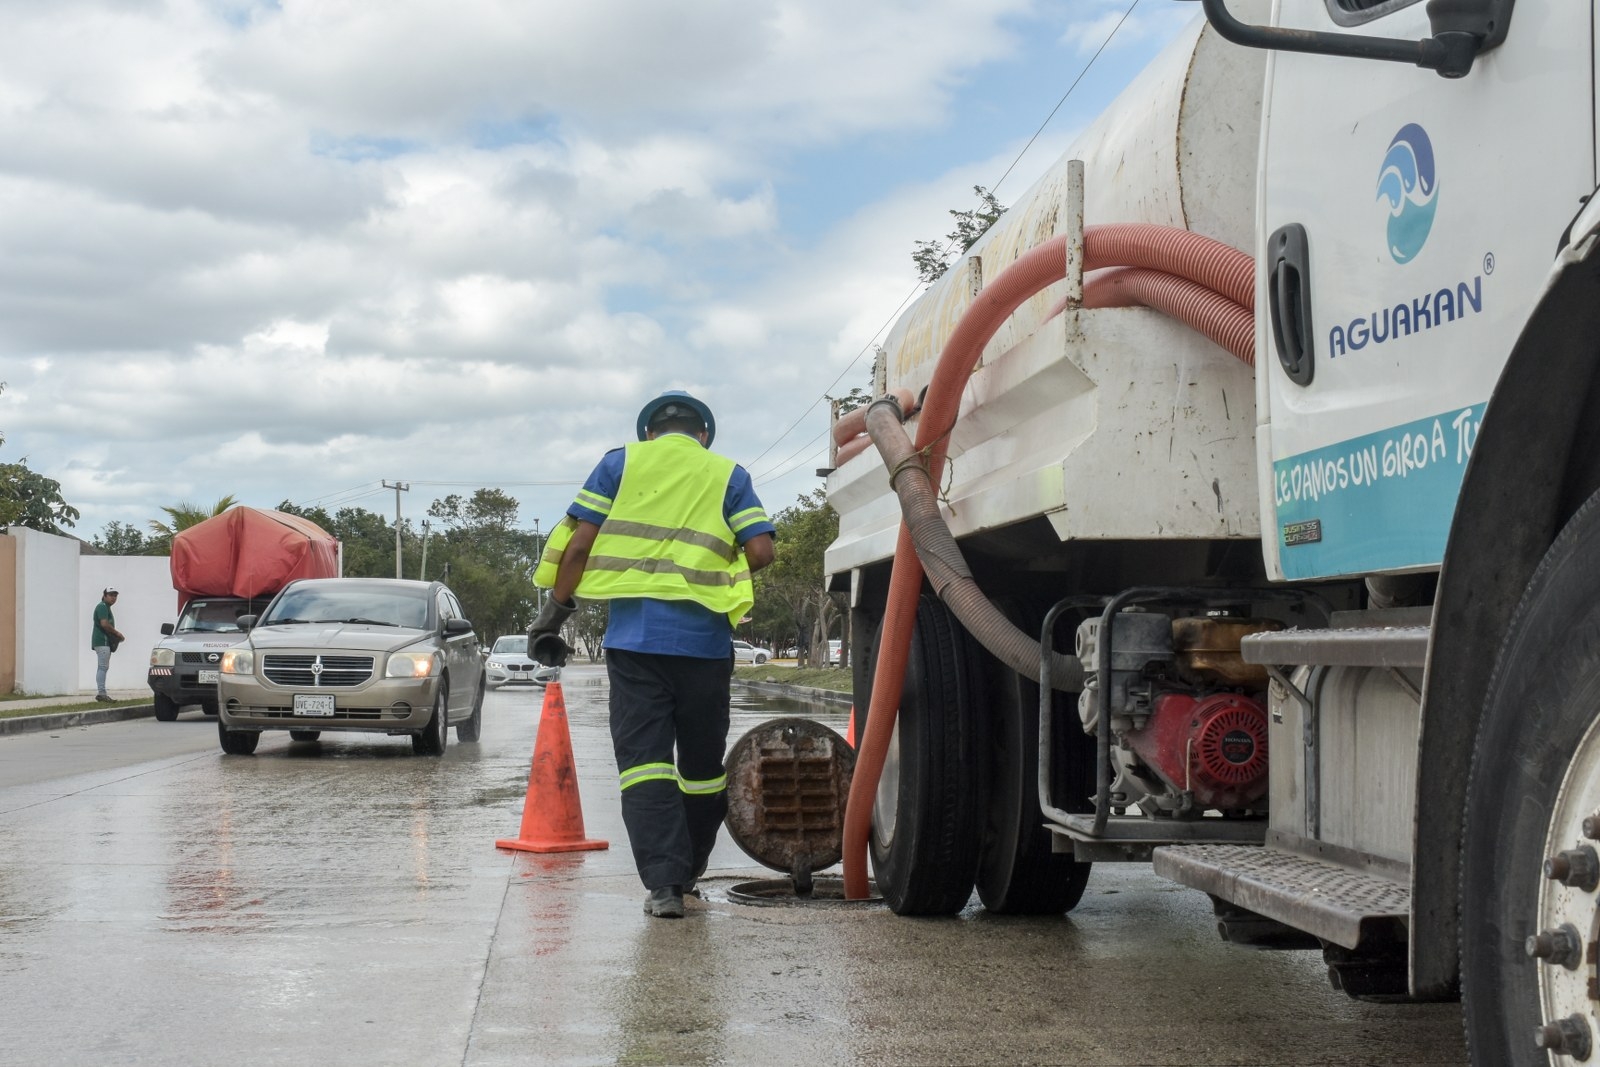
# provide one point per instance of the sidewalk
(44, 719)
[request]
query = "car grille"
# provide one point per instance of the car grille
(196, 657)
(302, 672)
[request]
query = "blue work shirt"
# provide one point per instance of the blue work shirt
(670, 627)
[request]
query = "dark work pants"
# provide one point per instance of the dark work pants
(658, 704)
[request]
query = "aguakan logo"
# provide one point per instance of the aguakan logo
(1407, 181)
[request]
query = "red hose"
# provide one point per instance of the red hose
(1180, 252)
(1207, 312)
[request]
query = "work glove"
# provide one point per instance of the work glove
(544, 636)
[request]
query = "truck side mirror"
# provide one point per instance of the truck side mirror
(457, 626)
(166, 629)
(245, 623)
(1462, 30)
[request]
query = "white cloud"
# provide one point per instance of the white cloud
(280, 250)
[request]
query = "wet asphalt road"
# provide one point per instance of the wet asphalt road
(343, 903)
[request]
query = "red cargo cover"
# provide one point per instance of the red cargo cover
(248, 552)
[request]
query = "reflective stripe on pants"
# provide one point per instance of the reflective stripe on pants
(669, 729)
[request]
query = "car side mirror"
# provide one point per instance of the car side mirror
(457, 626)
(245, 623)
(166, 629)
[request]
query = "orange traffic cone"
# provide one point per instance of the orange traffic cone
(850, 731)
(552, 817)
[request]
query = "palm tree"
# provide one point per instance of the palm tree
(182, 516)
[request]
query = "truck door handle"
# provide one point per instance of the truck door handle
(1289, 296)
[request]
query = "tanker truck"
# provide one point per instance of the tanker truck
(1257, 427)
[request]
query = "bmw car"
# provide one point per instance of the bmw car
(353, 654)
(510, 664)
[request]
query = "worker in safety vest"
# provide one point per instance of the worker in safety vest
(669, 532)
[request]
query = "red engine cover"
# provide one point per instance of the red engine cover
(1215, 747)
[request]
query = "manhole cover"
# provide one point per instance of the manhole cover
(780, 892)
(788, 780)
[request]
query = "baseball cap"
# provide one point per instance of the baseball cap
(109, 591)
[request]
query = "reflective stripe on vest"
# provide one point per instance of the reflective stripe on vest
(664, 537)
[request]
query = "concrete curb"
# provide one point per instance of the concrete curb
(27, 724)
(798, 692)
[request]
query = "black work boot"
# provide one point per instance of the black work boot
(665, 902)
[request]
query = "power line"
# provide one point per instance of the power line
(946, 251)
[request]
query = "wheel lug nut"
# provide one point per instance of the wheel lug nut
(1576, 867)
(1569, 1036)
(1591, 827)
(1561, 947)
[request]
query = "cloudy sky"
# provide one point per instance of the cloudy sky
(289, 249)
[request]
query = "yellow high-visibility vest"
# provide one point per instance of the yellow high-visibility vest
(664, 536)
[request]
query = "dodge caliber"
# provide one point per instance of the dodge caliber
(366, 654)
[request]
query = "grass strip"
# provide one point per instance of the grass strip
(61, 709)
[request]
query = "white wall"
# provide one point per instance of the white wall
(145, 600)
(47, 613)
(57, 589)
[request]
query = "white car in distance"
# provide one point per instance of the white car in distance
(745, 652)
(509, 664)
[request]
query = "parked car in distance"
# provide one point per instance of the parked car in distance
(791, 652)
(745, 652)
(353, 654)
(834, 652)
(183, 664)
(509, 664)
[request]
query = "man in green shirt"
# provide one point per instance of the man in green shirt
(104, 637)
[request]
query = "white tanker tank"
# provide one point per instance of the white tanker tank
(1058, 407)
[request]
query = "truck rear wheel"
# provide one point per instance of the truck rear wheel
(166, 707)
(1018, 871)
(1529, 905)
(927, 818)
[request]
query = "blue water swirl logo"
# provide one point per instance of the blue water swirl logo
(1408, 183)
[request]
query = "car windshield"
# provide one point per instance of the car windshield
(511, 645)
(384, 606)
(212, 616)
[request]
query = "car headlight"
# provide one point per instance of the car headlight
(238, 661)
(162, 657)
(412, 665)
(493, 662)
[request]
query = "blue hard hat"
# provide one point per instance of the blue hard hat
(675, 403)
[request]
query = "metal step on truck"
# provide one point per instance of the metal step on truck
(1232, 506)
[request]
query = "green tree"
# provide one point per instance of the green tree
(29, 499)
(490, 561)
(122, 539)
(790, 599)
(179, 518)
(932, 258)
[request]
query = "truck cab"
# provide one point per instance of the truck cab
(184, 663)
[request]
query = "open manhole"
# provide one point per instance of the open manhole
(775, 892)
(788, 780)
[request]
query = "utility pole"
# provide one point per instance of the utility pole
(426, 529)
(538, 552)
(398, 487)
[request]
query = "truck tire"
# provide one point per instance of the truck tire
(166, 707)
(927, 820)
(209, 706)
(237, 742)
(1535, 777)
(1019, 873)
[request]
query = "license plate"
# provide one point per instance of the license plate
(208, 677)
(305, 704)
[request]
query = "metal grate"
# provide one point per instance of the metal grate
(317, 671)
